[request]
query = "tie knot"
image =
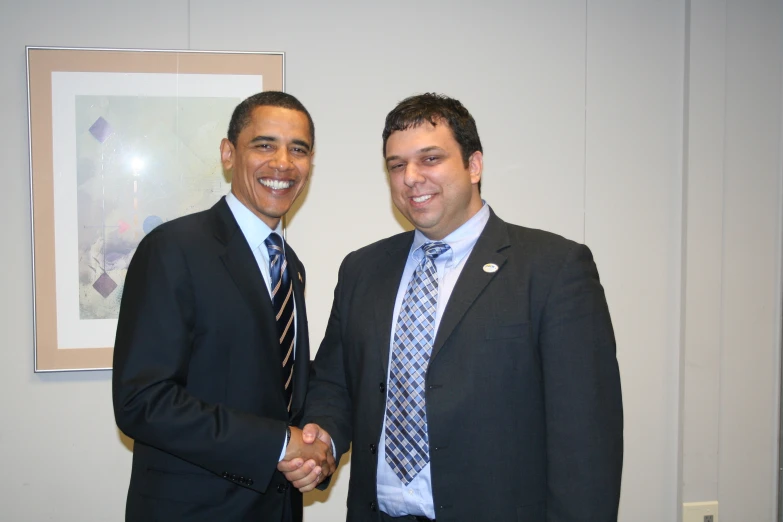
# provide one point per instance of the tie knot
(434, 249)
(274, 243)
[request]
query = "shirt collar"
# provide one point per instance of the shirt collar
(254, 230)
(461, 240)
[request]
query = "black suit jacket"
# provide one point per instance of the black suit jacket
(198, 376)
(523, 391)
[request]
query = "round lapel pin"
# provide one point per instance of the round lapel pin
(490, 268)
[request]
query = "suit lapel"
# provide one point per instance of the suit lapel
(301, 366)
(387, 277)
(473, 278)
(243, 268)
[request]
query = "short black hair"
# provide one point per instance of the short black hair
(435, 108)
(243, 112)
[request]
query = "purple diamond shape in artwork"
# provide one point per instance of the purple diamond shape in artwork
(101, 129)
(105, 285)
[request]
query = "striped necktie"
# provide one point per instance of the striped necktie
(283, 305)
(407, 442)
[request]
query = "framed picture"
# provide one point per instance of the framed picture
(121, 140)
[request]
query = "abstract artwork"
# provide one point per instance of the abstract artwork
(140, 161)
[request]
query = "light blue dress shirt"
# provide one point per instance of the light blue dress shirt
(256, 232)
(394, 497)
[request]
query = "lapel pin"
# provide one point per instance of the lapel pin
(490, 268)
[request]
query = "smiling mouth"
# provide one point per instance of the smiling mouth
(276, 184)
(421, 199)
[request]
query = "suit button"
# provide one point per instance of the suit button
(382, 387)
(373, 507)
(281, 488)
(225, 474)
(249, 482)
(373, 449)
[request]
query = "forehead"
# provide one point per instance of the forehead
(280, 120)
(421, 136)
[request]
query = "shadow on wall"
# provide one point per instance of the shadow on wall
(402, 220)
(125, 440)
(317, 496)
(291, 214)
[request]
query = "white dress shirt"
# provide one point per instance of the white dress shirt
(394, 498)
(256, 232)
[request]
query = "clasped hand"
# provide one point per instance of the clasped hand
(308, 458)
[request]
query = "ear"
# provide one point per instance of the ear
(476, 167)
(227, 154)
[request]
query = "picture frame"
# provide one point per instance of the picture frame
(120, 140)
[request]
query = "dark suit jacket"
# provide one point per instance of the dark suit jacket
(523, 391)
(198, 376)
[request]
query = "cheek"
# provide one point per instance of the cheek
(252, 162)
(396, 186)
(303, 166)
(397, 195)
(457, 188)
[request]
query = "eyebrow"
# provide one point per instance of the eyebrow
(425, 150)
(260, 139)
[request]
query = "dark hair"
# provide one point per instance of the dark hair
(435, 108)
(243, 112)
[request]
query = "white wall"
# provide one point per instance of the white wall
(634, 147)
(649, 130)
(732, 230)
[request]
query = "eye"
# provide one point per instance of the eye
(395, 167)
(431, 159)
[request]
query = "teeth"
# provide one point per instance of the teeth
(421, 199)
(276, 184)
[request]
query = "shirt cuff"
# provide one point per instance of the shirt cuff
(285, 446)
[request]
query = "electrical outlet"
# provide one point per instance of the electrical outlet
(700, 512)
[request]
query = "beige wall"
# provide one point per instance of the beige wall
(649, 130)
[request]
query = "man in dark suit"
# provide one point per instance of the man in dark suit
(471, 362)
(211, 355)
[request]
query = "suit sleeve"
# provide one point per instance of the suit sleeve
(155, 338)
(584, 416)
(328, 398)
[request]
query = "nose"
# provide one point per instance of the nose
(281, 160)
(412, 175)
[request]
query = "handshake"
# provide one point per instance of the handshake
(309, 458)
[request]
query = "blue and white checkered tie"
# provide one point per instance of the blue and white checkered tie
(407, 443)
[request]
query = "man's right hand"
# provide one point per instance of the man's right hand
(309, 458)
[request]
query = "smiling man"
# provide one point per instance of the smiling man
(471, 362)
(211, 355)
